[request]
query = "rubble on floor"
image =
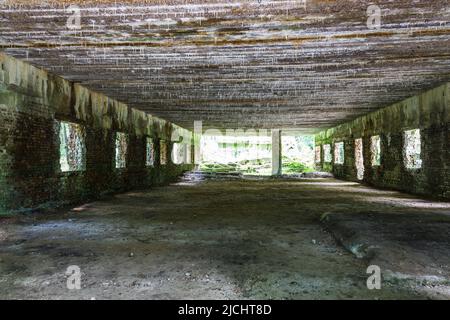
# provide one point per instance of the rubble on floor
(407, 246)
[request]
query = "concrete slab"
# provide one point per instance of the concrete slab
(225, 239)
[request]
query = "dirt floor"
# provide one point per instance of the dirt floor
(228, 239)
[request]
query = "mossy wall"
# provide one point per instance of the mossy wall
(32, 102)
(429, 112)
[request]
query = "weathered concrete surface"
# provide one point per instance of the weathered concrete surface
(214, 239)
(408, 245)
(429, 112)
(32, 101)
(36, 92)
(238, 63)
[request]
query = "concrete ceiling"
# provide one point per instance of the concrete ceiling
(237, 64)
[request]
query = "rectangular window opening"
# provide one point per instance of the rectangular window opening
(375, 150)
(412, 149)
(72, 148)
(359, 159)
(178, 153)
(163, 152)
(318, 154)
(339, 153)
(150, 153)
(121, 150)
(327, 153)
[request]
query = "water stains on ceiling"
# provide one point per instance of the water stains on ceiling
(305, 64)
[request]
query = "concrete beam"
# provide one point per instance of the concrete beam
(276, 152)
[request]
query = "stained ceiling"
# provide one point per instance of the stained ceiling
(305, 64)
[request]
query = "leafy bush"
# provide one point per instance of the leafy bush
(295, 167)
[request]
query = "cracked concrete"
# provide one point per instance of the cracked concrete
(227, 239)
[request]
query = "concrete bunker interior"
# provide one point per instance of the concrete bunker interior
(224, 149)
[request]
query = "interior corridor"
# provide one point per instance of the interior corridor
(224, 149)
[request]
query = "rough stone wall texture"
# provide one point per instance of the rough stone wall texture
(429, 112)
(31, 103)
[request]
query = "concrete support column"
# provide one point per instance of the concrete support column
(198, 131)
(276, 152)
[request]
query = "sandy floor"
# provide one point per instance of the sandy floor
(213, 239)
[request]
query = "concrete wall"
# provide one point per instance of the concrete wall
(31, 102)
(429, 112)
